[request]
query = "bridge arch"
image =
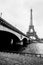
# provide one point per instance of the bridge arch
(24, 42)
(8, 40)
(19, 35)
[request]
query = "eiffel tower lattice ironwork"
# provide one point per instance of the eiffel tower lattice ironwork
(31, 32)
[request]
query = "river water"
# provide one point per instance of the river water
(35, 48)
(39, 47)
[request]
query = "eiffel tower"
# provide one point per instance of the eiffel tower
(31, 32)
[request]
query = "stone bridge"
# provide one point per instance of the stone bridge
(10, 35)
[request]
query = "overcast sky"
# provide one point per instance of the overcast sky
(17, 13)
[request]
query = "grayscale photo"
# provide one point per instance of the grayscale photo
(21, 32)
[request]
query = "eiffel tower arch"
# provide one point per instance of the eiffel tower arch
(31, 31)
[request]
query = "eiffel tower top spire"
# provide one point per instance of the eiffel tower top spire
(31, 23)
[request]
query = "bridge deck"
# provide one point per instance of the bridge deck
(6, 24)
